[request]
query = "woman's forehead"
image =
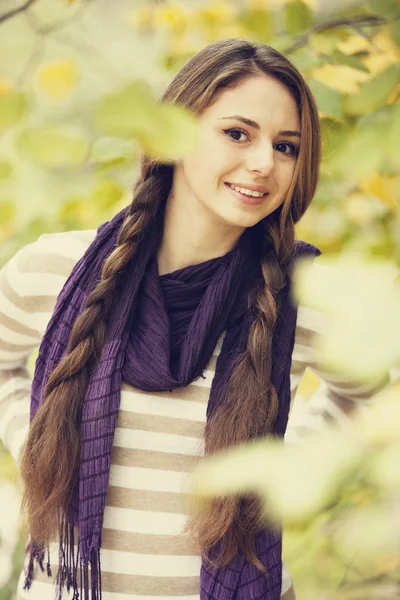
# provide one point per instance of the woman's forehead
(259, 99)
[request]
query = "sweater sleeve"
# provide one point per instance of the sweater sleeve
(30, 283)
(338, 396)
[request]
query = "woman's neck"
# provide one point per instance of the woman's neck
(190, 239)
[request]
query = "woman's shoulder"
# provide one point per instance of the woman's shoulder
(55, 247)
(48, 259)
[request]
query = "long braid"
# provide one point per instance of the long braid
(51, 483)
(235, 422)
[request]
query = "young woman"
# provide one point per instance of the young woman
(166, 333)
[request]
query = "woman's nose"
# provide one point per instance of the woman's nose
(263, 160)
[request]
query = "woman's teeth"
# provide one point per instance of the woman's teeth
(246, 192)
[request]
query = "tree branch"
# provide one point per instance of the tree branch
(354, 23)
(15, 11)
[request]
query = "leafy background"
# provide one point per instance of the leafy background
(79, 81)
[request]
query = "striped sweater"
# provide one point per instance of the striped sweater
(159, 436)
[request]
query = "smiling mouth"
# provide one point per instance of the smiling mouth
(245, 198)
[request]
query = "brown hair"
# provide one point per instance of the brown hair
(251, 402)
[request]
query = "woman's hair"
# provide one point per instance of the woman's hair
(51, 457)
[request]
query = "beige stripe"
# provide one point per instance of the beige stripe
(304, 336)
(293, 393)
(9, 347)
(192, 393)
(13, 373)
(16, 326)
(160, 424)
(345, 385)
(150, 459)
(147, 500)
(40, 263)
(136, 584)
(29, 303)
(289, 595)
(126, 541)
(297, 367)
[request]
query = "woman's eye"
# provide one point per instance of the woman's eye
(236, 132)
(287, 148)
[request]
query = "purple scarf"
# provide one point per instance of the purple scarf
(161, 335)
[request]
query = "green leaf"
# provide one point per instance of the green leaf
(13, 106)
(373, 94)
(8, 211)
(329, 101)
(51, 147)
(361, 303)
(109, 149)
(390, 9)
(126, 113)
(166, 131)
(173, 133)
(258, 21)
(106, 194)
(334, 135)
(5, 169)
(349, 60)
(395, 32)
(297, 17)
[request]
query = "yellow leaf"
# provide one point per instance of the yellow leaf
(268, 4)
(308, 385)
(382, 187)
(5, 85)
(58, 79)
(172, 16)
(384, 54)
(353, 44)
(362, 210)
(141, 17)
(343, 78)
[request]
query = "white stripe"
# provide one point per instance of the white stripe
(10, 366)
(17, 441)
(204, 381)
(6, 356)
(295, 380)
(133, 402)
(15, 409)
(19, 339)
(158, 442)
(63, 243)
(306, 354)
(155, 480)
(14, 384)
(142, 521)
(46, 591)
(286, 579)
(37, 284)
(146, 565)
(130, 563)
(312, 319)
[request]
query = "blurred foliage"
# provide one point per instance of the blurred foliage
(338, 493)
(75, 112)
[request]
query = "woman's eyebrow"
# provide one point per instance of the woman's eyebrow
(254, 124)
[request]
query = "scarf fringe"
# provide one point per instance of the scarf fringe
(70, 560)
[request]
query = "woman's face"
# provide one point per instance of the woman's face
(230, 151)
